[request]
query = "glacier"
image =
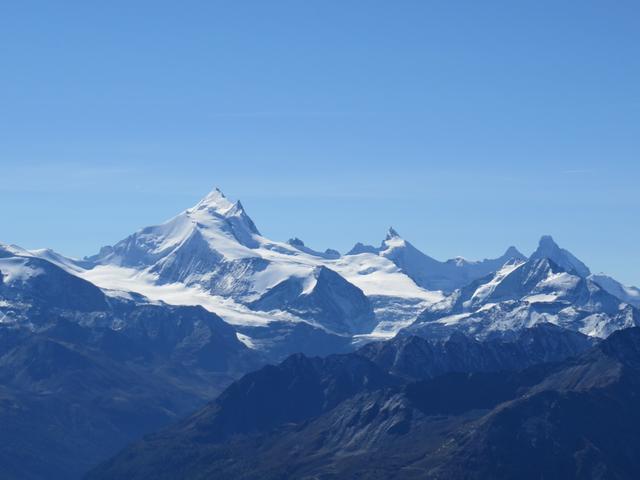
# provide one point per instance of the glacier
(213, 255)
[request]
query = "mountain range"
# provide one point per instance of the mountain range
(214, 255)
(360, 415)
(97, 352)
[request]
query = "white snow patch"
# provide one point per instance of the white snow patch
(16, 269)
(561, 282)
(454, 319)
(121, 294)
(376, 275)
(128, 279)
(483, 291)
(246, 340)
(541, 298)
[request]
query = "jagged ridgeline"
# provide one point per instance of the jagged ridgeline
(95, 353)
(372, 414)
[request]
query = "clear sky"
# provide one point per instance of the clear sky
(467, 125)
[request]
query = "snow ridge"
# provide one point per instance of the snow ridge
(213, 255)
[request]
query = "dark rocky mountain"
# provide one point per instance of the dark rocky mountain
(369, 414)
(414, 358)
(64, 407)
(83, 373)
(297, 389)
(278, 340)
(581, 421)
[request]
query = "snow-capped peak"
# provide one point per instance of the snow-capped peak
(215, 227)
(391, 234)
(216, 200)
(548, 248)
(628, 294)
(392, 241)
(217, 206)
(236, 209)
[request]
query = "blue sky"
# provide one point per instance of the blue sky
(468, 126)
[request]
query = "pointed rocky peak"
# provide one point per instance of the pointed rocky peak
(393, 241)
(548, 244)
(332, 253)
(359, 248)
(322, 276)
(548, 248)
(296, 242)
(215, 200)
(215, 205)
(237, 210)
(513, 253)
(329, 281)
(321, 270)
(392, 234)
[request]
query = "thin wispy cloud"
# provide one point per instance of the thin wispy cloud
(288, 114)
(51, 177)
(580, 171)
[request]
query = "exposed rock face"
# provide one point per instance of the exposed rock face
(369, 416)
